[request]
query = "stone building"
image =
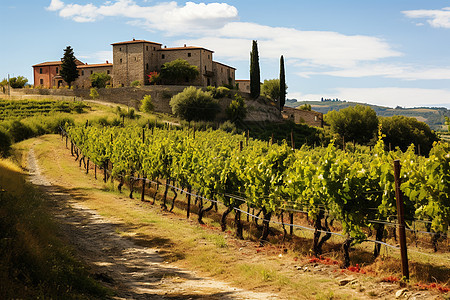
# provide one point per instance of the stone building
(135, 60)
(308, 117)
(243, 85)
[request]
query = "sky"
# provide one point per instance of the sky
(384, 52)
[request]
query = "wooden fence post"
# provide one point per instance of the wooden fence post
(401, 219)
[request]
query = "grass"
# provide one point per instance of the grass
(34, 261)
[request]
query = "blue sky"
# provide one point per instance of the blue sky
(381, 52)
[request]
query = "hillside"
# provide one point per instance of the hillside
(433, 116)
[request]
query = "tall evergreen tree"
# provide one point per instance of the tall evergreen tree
(282, 84)
(255, 81)
(69, 70)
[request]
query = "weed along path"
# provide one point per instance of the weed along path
(133, 271)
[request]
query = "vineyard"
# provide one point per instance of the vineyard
(261, 179)
(27, 108)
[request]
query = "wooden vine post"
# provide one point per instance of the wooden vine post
(291, 221)
(189, 200)
(143, 188)
(401, 219)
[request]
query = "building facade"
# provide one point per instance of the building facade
(308, 117)
(135, 60)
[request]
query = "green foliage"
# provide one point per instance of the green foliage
(271, 89)
(27, 108)
(447, 122)
(237, 110)
(255, 80)
(219, 92)
(69, 70)
(147, 104)
(400, 131)
(18, 82)
(178, 71)
(305, 107)
(99, 80)
(94, 93)
(194, 104)
(228, 126)
(5, 143)
(358, 123)
(136, 83)
(283, 86)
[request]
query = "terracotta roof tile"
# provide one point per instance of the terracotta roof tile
(135, 42)
(94, 66)
(185, 48)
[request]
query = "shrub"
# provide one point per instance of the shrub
(228, 126)
(194, 105)
(94, 94)
(99, 80)
(136, 83)
(19, 131)
(237, 109)
(178, 71)
(5, 143)
(219, 92)
(147, 104)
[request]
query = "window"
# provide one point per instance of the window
(146, 66)
(205, 68)
(120, 49)
(40, 70)
(189, 54)
(315, 118)
(146, 48)
(41, 81)
(120, 60)
(82, 73)
(107, 72)
(91, 72)
(163, 56)
(154, 48)
(135, 58)
(57, 70)
(208, 56)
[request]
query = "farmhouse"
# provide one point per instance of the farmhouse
(135, 60)
(308, 117)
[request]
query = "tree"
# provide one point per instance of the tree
(99, 80)
(271, 89)
(17, 82)
(194, 104)
(178, 71)
(255, 80)
(282, 83)
(355, 123)
(69, 70)
(447, 122)
(401, 131)
(237, 109)
(147, 104)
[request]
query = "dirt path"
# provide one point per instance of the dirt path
(133, 271)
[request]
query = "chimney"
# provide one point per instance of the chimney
(106, 61)
(165, 46)
(134, 39)
(185, 45)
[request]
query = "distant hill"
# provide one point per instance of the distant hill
(433, 116)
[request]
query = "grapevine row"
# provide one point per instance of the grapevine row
(355, 189)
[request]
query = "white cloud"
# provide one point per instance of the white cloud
(436, 18)
(55, 5)
(96, 57)
(386, 96)
(165, 16)
(317, 48)
(404, 72)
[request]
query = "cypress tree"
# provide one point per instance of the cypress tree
(69, 70)
(282, 84)
(255, 81)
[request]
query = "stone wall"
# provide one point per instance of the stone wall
(161, 95)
